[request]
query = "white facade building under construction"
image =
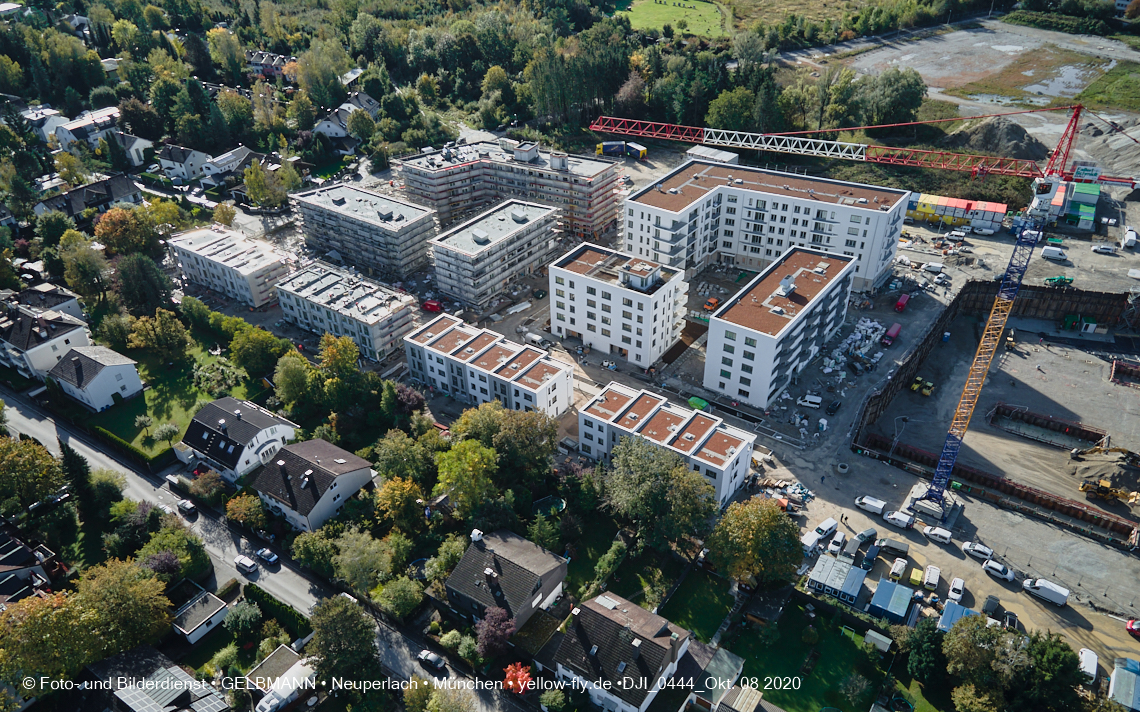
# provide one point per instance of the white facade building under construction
(453, 181)
(706, 212)
(773, 327)
(323, 299)
(708, 445)
(617, 303)
(382, 236)
(478, 365)
(229, 262)
(478, 259)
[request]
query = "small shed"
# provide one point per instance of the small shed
(880, 641)
(951, 614)
(891, 601)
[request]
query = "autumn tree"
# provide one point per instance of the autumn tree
(208, 487)
(246, 509)
(756, 538)
(401, 502)
(517, 678)
(466, 475)
(28, 474)
(493, 631)
(123, 605)
(225, 213)
(124, 232)
(226, 51)
(85, 269)
(163, 334)
(1133, 10)
(43, 637)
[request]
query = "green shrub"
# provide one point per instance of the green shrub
(297, 625)
(553, 700)
(451, 640)
(469, 649)
(610, 561)
(225, 657)
(128, 449)
(227, 588)
(1058, 23)
(433, 628)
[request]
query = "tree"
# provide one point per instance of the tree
(925, 650)
(440, 566)
(243, 620)
(11, 75)
(401, 502)
(51, 225)
(208, 487)
(528, 440)
(78, 473)
(237, 112)
(140, 119)
(894, 96)
(143, 422)
(344, 640)
(1049, 679)
(544, 532)
(85, 269)
(302, 112)
(732, 110)
(756, 538)
(317, 550)
(225, 213)
(319, 70)
(517, 678)
(610, 560)
(262, 188)
(227, 53)
(142, 285)
(167, 432)
(28, 473)
(122, 605)
(361, 125)
(451, 699)
(854, 687)
(418, 693)
(468, 649)
(163, 334)
(125, 231)
(291, 378)
(43, 637)
(246, 509)
(466, 475)
(493, 632)
(967, 698)
(257, 351)
(361, 561)
(193, 560)
(400, 597)
(1131, 12)
(398, 456)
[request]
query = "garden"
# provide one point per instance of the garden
(699, 17)
(700, 604)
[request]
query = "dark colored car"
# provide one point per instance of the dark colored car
(834, 407)
(1009, 620)
(539, 293)
(267, 556)
(868, 561)
(430, 660)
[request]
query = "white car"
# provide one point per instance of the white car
(837, 543)
(957, 588)
(997, 570)
(956, 233)
(978, 551)
(153, 168)
(983, 231)
(942, 280)
(1104, 249)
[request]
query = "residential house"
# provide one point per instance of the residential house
(34, 343)
(46, 297)
(231, 163)
(335, 125)
(309, 482)
(282, 677)
(267, 64)
(184, 164)
(98, 196)
(144, 680)
(503, 570)
(44, 120)
(134, 146)
(234, 437)
(7, 219)
(199, 615)
(89, 127)
(95, 376)
(111, 68)
(26, 568)
(704, 679)
(610, 640)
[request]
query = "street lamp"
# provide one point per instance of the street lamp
(898, 433)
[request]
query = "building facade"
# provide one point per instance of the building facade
(453, 181)
(309, 482)
(773, 327)
(95, 375)
(182, 163)
(326, 299)
(372, 232)
(504, 570)
(34, 343)
(720, 452)
(706, 212)
(477, 366)
(88, 128)
(234, 437)
(617, 303)
(477, 260)
(229, 262)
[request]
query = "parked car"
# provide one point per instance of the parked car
(267, 556)
(432, 305)
(866, 535)
(991, 606)
(1104, 249)
(942, 280)
(956, 234)
(983, 231)
(711, 304)
(431, 661)
(898, 519)
(1009, 620)
(153, 168)
(868, 561)
(978, 551)
(165, 509)
(837, 543)
(957, 589)
(187, 507)
(539, 293)
(1133, 627)
(244, 563)
(834, 407)
(999, 571)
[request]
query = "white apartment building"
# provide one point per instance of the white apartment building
(478, 259)
(89, 127)
(477, 365)
(323, 298)
(775, 326)
(366, 230)
(617, 303)
(229, 262)
(706, 212)
(455, 180)
(707, 444)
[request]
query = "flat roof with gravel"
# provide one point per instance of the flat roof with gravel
(446, 159)
(491, 227)
(363, 205)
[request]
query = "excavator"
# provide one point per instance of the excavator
(1103, 489)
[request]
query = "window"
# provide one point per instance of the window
(559, 305)
(730, 335)
(853, 231)
(118, 376)
(749, 341)
(591, 315)
(626, 340)
(626, 314)
(559, 280)
(745, 381)
(605, 332)
(745, 368)
(626, 302)
(606, 295)
(591, 303)
(559, 293)
(749, 355)
(849, 243)
(856, 219)
(591, 327)
(729, 349)
(591, 290)
(725, 374)
(742, 392)
(726, 360)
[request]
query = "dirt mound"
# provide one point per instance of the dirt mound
(1115, 467)
(999, 136)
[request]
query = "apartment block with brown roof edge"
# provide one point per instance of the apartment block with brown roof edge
(617, 303)
(476, 366)
(718, 451)
(772, 328)
(707, 213)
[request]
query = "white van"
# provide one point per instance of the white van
(1054, 253)
(930, 580)
(935, 267)
(827, 527)
(810, 542)
(810, 402)
(871, 504)
(938, 534)
(1046, 590)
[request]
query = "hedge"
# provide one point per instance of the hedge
(227, 588)
(292, 621)
(1058, 23)
(118, 443)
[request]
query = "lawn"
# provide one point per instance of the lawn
(207, 647)
(923, 698)
(170, 398)
(330, 169)
(840, 655)
(703, 18)
(78, 544)
(1020, 79)
(700, 604)
(646, 579)
(597, 537)
(1118, 89)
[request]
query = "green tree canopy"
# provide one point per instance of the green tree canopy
(466, 475)
(344, 640)
(142, 286)
(756, 538)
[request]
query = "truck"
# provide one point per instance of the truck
(891, 335)
(1047, 591)
(902, 302)
(622, 148)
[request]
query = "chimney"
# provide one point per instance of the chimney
(636, 648)
(222, 424)
(490, 575)
(237, 414)
(476, 535)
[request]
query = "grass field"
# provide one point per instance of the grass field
(772, 12)
(1132, 41)
(597, 537)
(701, 17)
(170, 399)
(646, 579)
(700, 604)
(1044, 67)
(1118, 89)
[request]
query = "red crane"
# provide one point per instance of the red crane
(801, 143)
